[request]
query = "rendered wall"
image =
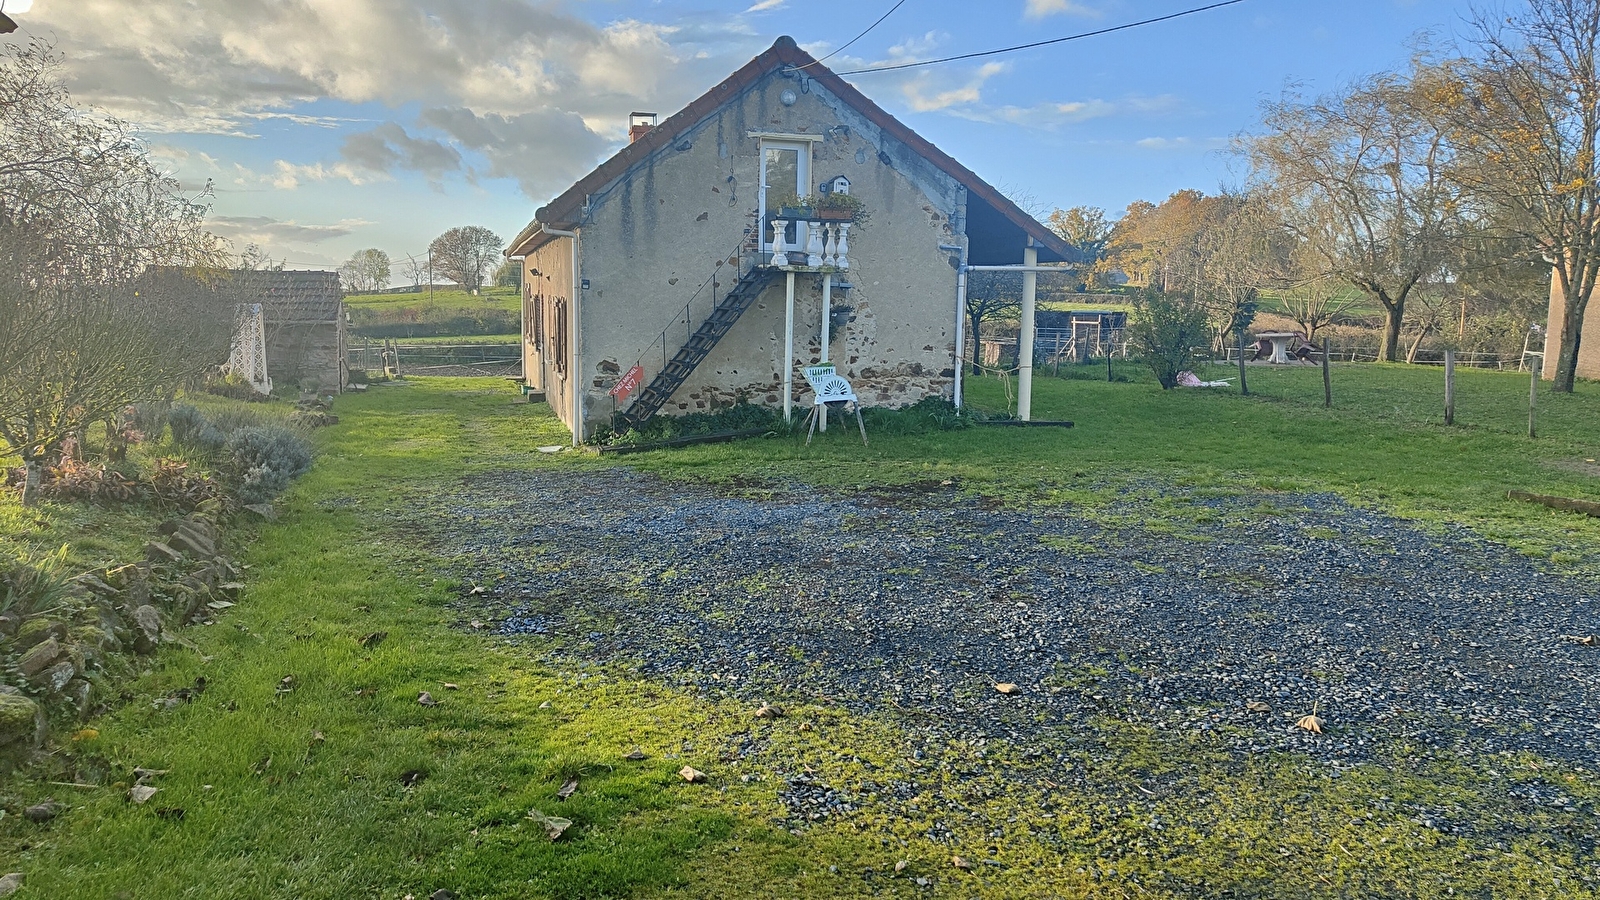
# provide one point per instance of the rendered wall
(547, 275)
(656, 235)
(1588, 343)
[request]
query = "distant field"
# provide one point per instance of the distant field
(492, 298)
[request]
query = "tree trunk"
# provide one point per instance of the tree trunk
(1571, 336)
(1393, 317)
(977, 344)
(1411, 354)
(32, 475)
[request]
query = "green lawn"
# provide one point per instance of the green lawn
(303, 793)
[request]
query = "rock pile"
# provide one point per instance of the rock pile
(109, 616)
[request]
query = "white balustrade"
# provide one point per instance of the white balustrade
(830, 249)
(814, 244)
(780, 251)
(842, 257)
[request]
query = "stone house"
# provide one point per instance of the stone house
(683, 276)
(305, 325)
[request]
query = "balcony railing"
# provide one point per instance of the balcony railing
(819, 244)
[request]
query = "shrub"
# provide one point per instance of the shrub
(30, 587)
(1165, 330)
(192, 431)
(263, 460)
(150, 419)
(927, 415)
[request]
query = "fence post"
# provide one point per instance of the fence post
(1244, 388)
(1327, 380)
(1449, 387)
(1533, 394)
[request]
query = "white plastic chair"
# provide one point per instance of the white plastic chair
(830, 389)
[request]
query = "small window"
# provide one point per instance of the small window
(535, 330)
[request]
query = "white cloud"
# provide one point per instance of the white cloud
(1179, 143)
(766, 5)
(1038, 9)
(264, 230)
(932, 92)
(287, 176)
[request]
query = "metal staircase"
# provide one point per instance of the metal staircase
(649, 401)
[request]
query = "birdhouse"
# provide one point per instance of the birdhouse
(840, 185)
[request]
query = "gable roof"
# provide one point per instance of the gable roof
(566, 209)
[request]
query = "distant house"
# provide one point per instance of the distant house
(658, 282)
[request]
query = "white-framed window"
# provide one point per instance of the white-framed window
(785, 174)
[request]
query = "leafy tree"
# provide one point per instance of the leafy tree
(509, 274)
(365, 272)
(1360, 176)
(1525, 115)
(463, 254)
(1166, 328)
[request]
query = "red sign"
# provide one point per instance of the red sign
(628, 383)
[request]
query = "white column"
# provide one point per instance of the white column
(779, 248)
(788, 350)
(827, 321)
(843, 258)
(813, 244)
(1030, 282)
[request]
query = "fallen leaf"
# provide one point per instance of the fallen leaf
(768, 711)
(426, 699)
(900, 866)
(476, 624)
(960, 862)
(568, 789)
(477, 589)
(1006, 687)
(635, 756)
(554, 826)
(1312, 723)
(412, 778)
(139, 793)
(442, 894)
(363, 608)
(141, 774)
(317, 738)
(262, 765)
(691, 774)
(373, 639)
(286, 684)
(451, 686)
(11, 883)
(805, 726)
(85, 734)
(545, 705)
(1258, 706)
(219, 604)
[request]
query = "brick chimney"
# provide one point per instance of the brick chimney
(639, 124)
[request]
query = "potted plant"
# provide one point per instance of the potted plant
(837, 207)
(789, 207)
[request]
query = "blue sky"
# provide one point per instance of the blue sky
(327, 126)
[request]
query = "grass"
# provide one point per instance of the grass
(301, 793)
(494, 297)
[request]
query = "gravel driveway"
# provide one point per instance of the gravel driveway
(914, 601)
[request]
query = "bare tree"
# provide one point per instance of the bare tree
(85, 328)
(365, 272)
(990, 296)
(463, 254)
(1360, 177)
(415, 269)
(1526, 114)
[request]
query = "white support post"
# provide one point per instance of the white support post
(827, 318)
(788, 350)
(1030, 282)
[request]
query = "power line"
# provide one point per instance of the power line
(854, 39)
(1070, 37)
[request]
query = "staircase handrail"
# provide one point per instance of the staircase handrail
(683, 313)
